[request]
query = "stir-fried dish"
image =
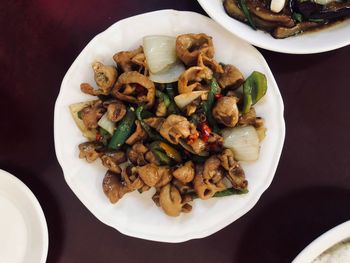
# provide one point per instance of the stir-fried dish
(285, 18)
(168, 116)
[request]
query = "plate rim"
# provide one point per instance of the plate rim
(324, 242)
(275, 48)
(40, 216)
(192, 235)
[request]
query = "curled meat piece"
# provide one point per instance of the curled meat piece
(170, 200)
(176, 127)
(138, 135)
(189, 46)
(212, 169)
(92, 113)
(204, 61)
(113, 187)
(230, 78)
(248, 118)
(192, 78)
(90, 150)
(166, 176)
(235, 172)
(226, 111)
(151, 174)
(137, 154)
(131, 178)
(154, 122)
(134, 60)
(135, 88)
(185, 173)
(204, 187)
(112, 159)
(105, 77)
(116, 110)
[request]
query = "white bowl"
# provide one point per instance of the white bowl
(313, 42)
(136, 215)
(324, 242)
(23, 229)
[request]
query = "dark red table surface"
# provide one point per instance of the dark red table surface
(309, 194)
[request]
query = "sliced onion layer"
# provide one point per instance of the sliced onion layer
(169, 75)
(184, 99)
(243, 141)
(159, 51)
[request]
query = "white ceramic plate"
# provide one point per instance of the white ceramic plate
(23, 229)
(314, 42)
(136, 215)
(324, 242)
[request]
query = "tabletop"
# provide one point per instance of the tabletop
(310, 192)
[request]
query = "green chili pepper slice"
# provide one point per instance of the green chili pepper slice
(151, 133)
(226, 192)
(209, 103)
(123, 130)
(254, 88)
(247, 14)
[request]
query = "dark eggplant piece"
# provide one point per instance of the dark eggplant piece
(284, 32)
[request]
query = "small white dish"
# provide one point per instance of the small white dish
(23, 229)
(324, 242)
(330, 38)
(136, 215)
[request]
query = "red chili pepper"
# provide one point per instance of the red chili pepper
(98, 136)
(205, 131)
(218, 96)
(192, 138)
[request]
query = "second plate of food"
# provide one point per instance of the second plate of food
(114, 67)
(282, 30)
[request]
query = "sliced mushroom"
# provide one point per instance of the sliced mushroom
(230, 78)
(170, 200)
(90, 150)
(111, 160)
(91, 114)
(138, 135)
(135, 88)
(226, 111)
(189, 46)
(235, 172)
(113, 187)
(176, 127)
(116, 110)
(185, 173)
